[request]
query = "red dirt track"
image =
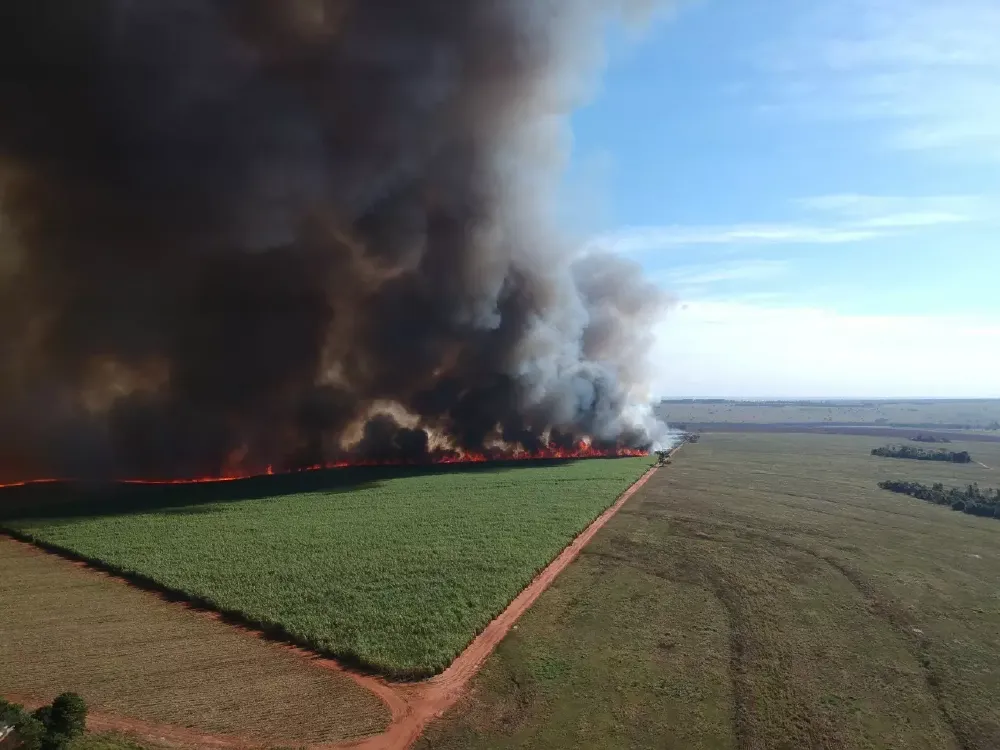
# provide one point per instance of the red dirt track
(412, 705)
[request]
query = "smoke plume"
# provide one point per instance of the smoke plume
(247, 233)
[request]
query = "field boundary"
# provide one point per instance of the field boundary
(431, 698)
(412, 705)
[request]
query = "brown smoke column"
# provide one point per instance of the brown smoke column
(231, 229)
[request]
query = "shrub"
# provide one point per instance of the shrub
(29, 732)
(921, 438)
(50, 727)
(44, 715)
(55, 741)
(68, 716)
(973, 499)
(922, 454)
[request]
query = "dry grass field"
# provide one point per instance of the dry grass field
(761, 592)
(134, 655)
(974, 414)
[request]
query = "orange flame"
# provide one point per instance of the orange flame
(582, 450)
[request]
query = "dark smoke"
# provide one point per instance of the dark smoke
(232, 231)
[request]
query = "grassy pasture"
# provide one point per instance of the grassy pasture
(972, 413)
(761, 592)
(136, 656)
(396, 571)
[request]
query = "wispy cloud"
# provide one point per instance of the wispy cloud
(881, 209)
(742, 270)
(899, 213)
(639, 240)
(831, 220)
(928, 71)
(731, 279)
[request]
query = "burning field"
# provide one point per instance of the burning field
(317, 237)
(392, 569)
(243, 242)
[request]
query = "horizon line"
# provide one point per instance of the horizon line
(827, 398)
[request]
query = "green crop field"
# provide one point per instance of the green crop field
(396, 570)
(760, 592)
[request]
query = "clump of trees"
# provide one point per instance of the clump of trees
(922, 454)
(51, 727)
(930, 439)
(972, 499)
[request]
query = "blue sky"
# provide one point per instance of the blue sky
(818, 185)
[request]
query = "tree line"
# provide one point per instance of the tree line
(972, 499)
(922, 454)
(50, 727)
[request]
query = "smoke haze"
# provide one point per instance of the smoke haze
(247, 233)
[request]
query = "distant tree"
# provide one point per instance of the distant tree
(922, 454)
(30, 734)
(9, 715)
(19, 729)
(44, 715)
(50, 727)
(972, 499)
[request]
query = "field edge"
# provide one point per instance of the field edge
(275, 631)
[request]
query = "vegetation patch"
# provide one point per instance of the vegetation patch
(51, 727)
(396, 570)
(971, 499)
(921, 438)
(922, 454)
